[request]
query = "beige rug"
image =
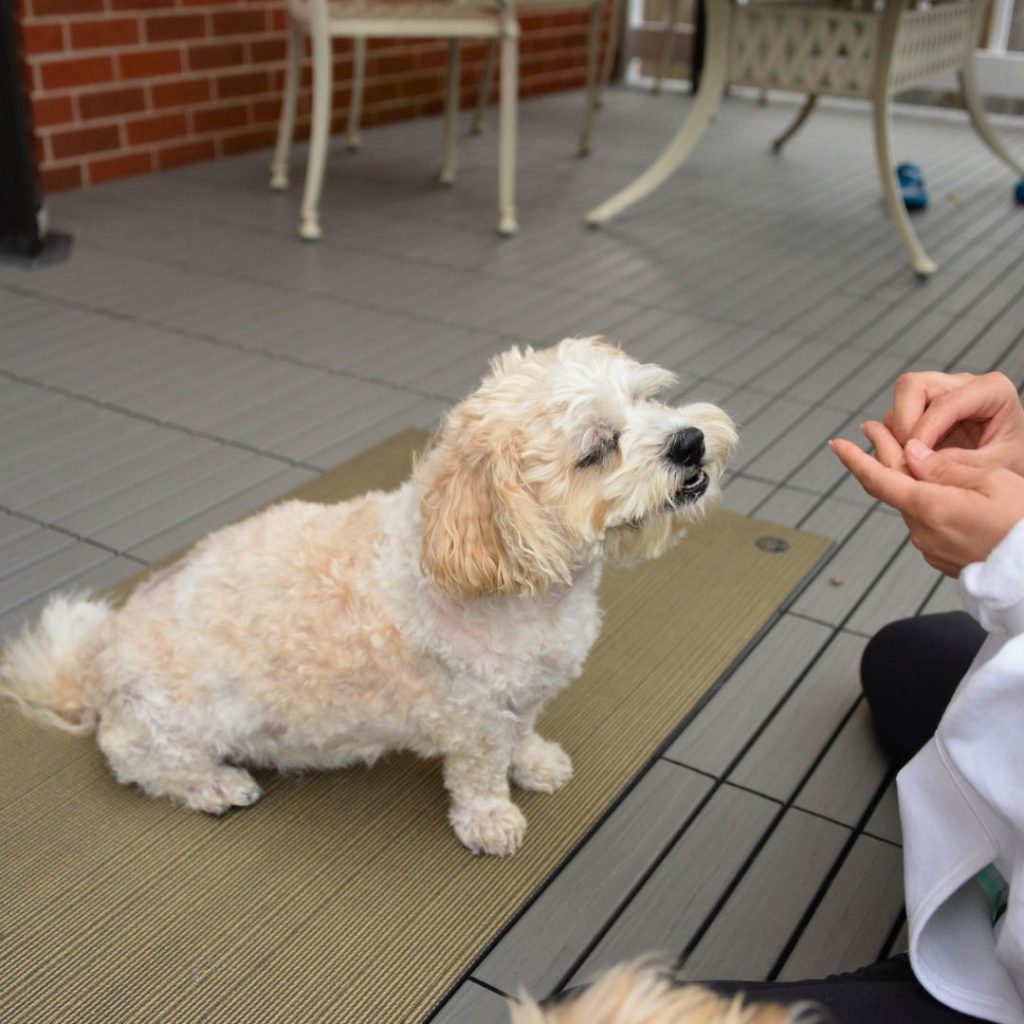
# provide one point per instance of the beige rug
(345, 897)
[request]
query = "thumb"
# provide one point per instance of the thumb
(934, 467)
(968, 457)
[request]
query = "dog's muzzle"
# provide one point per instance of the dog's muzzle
(694, 488)
(686, 448)
(686, 451)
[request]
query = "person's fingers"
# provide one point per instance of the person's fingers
(887, 448)
(912, 395)
(976, 401)
(887, 485)
(965, 456)
(935, 468)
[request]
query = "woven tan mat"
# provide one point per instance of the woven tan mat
(344, 897)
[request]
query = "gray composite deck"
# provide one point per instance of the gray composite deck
(194, 360)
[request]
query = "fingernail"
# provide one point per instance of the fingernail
(918, 449)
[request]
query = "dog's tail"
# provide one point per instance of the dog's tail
(50, 670)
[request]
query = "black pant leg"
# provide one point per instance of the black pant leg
(909, 672)
(884, 993)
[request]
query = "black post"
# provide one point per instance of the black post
(22, 213)
(699, 33)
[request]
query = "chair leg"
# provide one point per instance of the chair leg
(593, 42)
(355, 106)
(507, 224)
(701, 114)
(976, 109)
(666, 45)
(612, 47)
(923, 266)
(320, 128)
(286, 126)
(798, 121)
(451, 116)
(485, 87)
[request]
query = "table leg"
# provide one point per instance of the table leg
(320, 129)
(976, 109)
(923, 266)
(802, 115)
(507, 128)
(451, 114)
(701, 114)
(593, 41)
(289, 102)
(485, 87)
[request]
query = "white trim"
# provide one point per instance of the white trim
(999, 30)
(794, 99)
(998, 75)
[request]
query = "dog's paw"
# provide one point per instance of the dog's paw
(541, 766)
(222, 789)
(495, 826)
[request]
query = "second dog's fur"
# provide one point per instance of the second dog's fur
(438, 618)
(641, 994)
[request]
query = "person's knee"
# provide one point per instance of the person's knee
(883, 650)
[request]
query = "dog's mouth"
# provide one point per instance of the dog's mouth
(693, 489)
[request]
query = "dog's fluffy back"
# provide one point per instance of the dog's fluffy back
(639, 993)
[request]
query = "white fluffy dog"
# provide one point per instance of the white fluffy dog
(438, 618)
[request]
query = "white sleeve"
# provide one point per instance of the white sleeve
(993, 590)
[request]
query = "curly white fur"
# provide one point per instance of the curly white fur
(639, 993)
(438, 618)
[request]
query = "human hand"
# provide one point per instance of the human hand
(956, 513)
(978, 421)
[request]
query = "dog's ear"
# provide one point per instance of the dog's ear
(484, 532)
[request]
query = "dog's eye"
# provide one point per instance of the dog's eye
(600, 453)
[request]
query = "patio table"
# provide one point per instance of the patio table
(829, 48)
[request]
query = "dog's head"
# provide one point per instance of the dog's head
(559, 457)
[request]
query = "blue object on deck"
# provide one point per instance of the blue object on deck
(911, 182)
(909, 174)
(1019, 193)
(914, 197)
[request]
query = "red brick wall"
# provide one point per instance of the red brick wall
(120, 87)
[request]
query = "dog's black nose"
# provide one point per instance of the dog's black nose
(686, 448)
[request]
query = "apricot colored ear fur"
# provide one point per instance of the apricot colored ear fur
(484, 533)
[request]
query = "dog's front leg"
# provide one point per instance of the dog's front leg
(538, 764)
(483, 816)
